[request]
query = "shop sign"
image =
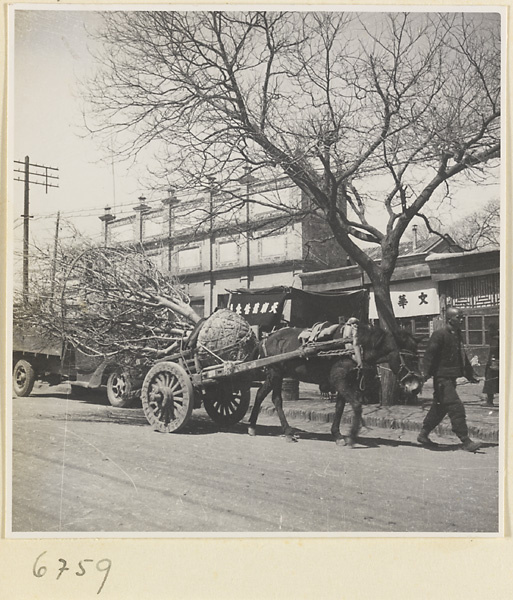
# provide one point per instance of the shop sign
(410, 300)
(259, 309)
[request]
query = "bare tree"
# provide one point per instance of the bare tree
(480, 230)
(111, 302)
(363, 112)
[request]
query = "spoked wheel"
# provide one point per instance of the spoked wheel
(23, 378)
(226, 404)
(119, 388)
(167, 397)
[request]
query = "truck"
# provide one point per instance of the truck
(38, 356)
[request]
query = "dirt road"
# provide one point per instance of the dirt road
(81, 466)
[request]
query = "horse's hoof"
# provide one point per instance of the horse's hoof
(252, 431)
(291, 438)
(291, 432)
(340, 441)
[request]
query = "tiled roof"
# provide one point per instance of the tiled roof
(433, 243)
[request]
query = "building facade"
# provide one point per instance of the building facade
(425, 283)
(264, 235)
(260, 235)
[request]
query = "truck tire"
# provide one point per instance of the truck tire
(23, 378)
(119, 388)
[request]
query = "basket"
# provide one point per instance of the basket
(225, 336)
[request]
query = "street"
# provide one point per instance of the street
(84, 466)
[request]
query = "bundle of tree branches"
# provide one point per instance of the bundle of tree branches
(111, 302)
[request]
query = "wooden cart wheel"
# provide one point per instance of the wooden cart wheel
(226, 404)
(167, 397)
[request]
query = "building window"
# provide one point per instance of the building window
(268, 201)
(273, 246)
(262, 203)
(222, 300)
(189, 258)
(420, 327)
(198, 305)
(227, 253)
(476, 331)
(122, 233)
(153, 226)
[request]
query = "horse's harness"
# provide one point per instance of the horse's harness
(404, 368)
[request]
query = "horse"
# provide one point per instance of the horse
(338, 374)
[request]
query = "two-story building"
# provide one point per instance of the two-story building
(260, 235)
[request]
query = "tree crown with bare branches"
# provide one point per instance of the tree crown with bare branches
(361, 111)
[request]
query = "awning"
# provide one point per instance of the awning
(264, 307)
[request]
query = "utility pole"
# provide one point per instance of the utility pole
(54, 261)
(247, 180)
(211, 192)
(46, 180)
(171, 202)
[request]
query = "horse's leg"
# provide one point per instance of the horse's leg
(355, 399)
(342, 378)
(277, 380)
(261, 394)
(335, 427)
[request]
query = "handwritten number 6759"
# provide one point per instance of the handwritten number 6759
(102, 565)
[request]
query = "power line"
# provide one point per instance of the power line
(49, 175)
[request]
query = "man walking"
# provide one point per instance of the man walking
(445, 360)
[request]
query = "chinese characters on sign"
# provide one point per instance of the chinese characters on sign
(411, 300)
(403, 301)
(262, 309)
(255, 308)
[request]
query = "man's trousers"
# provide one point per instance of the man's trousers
(446, 402)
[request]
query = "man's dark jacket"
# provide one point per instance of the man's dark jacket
(445, 357)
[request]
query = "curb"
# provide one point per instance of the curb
(382, 421)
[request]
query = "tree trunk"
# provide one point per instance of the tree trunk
(388, 380)
(384, 305)
(388, 384)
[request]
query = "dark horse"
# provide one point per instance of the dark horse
(339, 374)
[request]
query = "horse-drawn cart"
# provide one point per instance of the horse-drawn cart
(219, 379)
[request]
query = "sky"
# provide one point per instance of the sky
(50, 56)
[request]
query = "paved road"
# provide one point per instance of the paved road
(83, 466)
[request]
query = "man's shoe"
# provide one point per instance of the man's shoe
(423, 439)
(470, 446)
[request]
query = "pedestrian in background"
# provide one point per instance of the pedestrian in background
(491, 384)
(445, 360)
